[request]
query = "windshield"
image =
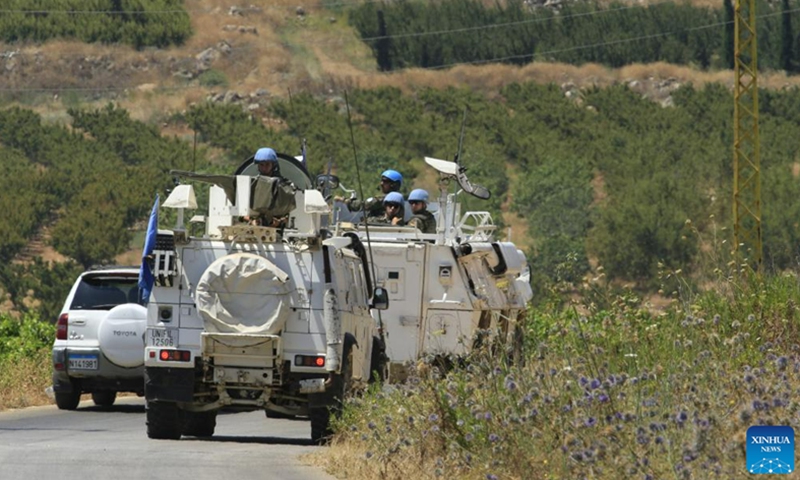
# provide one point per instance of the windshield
(106, 292)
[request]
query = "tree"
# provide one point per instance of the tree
(787, 38)
(383, 45)
(727, 44)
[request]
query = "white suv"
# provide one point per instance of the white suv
(99, 347)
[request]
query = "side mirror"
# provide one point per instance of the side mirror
(327, 182)
(380, 299)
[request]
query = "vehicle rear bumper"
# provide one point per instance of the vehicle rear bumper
(107, 376)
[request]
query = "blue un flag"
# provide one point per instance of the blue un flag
(146, 278)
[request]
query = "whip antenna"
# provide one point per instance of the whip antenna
(363, 203)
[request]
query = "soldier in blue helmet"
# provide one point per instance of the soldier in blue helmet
(393, 210)
(267, 162)
(391, 181)
(422, 219)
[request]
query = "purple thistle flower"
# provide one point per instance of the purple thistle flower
(468, 437)
(603, 398)
(782, 362)
(433, 417)
(371, 425)
(590, 422)
(368, 455)
(583, 381)
(491, 476)
(595, 384)
(493, 438)
(487, 416)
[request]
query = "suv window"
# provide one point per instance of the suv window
(105, 293)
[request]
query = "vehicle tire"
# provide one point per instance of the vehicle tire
(164, 420)
(321, 415)
(68, 400)
(377, 363)
(199, 424)
(104, 398)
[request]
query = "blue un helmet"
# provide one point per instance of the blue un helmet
(393, 176)
(418, 195)
(265, 155)
(394, 197)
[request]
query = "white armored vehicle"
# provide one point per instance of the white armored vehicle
(247, 317)
(449, 291)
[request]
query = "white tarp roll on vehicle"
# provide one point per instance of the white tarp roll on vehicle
(243, 293)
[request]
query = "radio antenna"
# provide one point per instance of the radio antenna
(363, 205)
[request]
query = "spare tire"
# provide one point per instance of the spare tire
(121, 335)
(243, 293)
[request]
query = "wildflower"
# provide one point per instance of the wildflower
(368, 455)
(491, 476)
(595, 384)
(493, 438)
(716, 319)
(460, 422)
(603, 398)
(782, 362)
(433, 417)
(736, 324)
(371, 425)
(590, 422)
(681, 417)
(468, 437)
(510, 384)
(487, 415)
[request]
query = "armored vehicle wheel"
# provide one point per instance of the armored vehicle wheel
(68, 400)
(199, 424)
(377, 364)
(321, 415)
(104, 398)
(164, 420)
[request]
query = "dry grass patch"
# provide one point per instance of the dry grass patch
(23, 381)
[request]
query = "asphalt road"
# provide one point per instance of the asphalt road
(92, 443)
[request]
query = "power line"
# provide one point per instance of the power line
(437, 67)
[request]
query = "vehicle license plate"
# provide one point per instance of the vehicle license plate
(83, 362)
(163, 337)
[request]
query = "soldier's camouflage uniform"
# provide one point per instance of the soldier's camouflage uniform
(424, 221)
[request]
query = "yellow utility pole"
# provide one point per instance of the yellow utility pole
(746, 147)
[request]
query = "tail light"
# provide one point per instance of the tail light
(61, 327)
(175, 355)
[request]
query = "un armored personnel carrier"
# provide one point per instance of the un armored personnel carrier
(450, 291)
(247, 317)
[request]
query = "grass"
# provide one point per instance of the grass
(620, 392)
(25, 379)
